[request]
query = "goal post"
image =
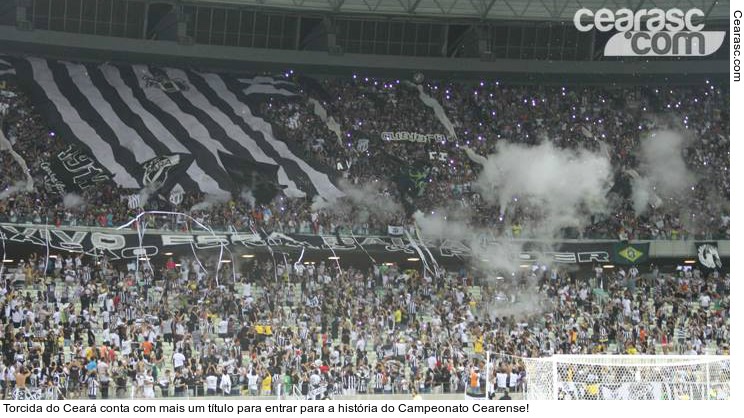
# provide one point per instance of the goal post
(635, 377)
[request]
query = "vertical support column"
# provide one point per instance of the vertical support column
(144, 21)
(592, 46)
(297, 33)
(445, 44)
(330, 28)
(182, 21)
(484, 41)
(22, 22)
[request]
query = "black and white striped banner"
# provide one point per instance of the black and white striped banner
(127, 115)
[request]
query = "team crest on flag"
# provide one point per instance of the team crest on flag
(708, 255)
(168, 85)
(164, 170)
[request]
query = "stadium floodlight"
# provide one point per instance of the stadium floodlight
(608, 266)
(413, 259)
(248, 255)
(690, 261)
(334, 258)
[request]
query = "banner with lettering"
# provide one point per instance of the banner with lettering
(412, 137)
(125, 244)
(72, 170)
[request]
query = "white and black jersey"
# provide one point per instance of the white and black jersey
(602, 334)
(86, 275)
(362, 383)
(379, 381)
(303, 333)
(411, 307)
(350, 381)
(92, 388)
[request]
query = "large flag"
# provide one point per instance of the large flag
(133, 118)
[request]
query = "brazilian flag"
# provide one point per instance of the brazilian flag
(631, 253)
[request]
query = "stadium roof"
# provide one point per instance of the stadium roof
(480, 9)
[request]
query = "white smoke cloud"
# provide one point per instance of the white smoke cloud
(247, 197)
(73, 201)
(492, 257)
(487, 252)
(14, 189)
(663, 168)
(560, 187)
(565, 186)
(209, 201)
(361, 201)
(144, 195)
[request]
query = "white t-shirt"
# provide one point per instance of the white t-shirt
(253, 381)
(501, 380)
(212, 382)
(178, 359)
(226, 383)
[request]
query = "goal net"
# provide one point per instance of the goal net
(627, 377)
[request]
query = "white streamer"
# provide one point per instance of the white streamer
(193, 250)
(420, 253)
(423, 244)
(351, 231)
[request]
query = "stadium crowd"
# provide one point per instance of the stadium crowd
(94, 328)
(91, 327)
(481, 115)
